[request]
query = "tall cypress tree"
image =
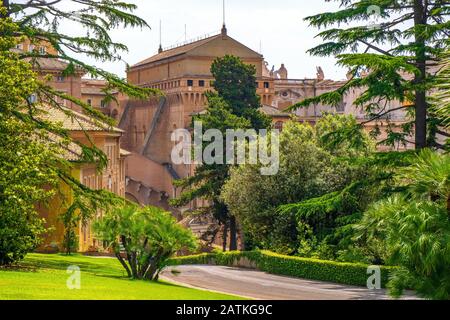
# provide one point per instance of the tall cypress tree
(234, 105)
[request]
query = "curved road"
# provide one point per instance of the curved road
(260, 285)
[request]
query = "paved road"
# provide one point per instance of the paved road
(260, 285)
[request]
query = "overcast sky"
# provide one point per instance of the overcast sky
(275, 26)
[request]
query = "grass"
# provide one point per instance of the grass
(43, 277)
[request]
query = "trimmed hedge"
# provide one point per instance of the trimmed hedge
(313, 269)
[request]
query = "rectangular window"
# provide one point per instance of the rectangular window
(89, 102)
(201, 83)
(103, 104)
(266, 85)
(60, 79)
(190, 83)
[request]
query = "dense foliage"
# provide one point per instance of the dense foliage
(309, 168)
(147, 237)
(27, 165)
(234, 105)
(414, 227)
(32, 148)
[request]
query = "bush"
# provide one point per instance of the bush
(19, 234)
(148, 237)
(313, 269)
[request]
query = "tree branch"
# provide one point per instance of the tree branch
(378, 116)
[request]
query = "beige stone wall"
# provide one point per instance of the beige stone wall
(112, 178)
(288, 92)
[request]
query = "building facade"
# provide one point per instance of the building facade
(83, 130)
(87, 132)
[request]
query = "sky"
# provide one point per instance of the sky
(274, 27)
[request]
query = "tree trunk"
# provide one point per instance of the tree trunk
(225, 237)
(420, 18)
(123, 263)
(133, 264)
(233, 234)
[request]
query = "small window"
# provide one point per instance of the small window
(190, 83)
(89, 102)
(42, 50)
(103, 104)
(201, 83)
(60, 79)
(266, 85)
(341, 107)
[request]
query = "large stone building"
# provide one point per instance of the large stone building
(145, 172)
(183, 75)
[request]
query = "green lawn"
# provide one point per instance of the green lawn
(43, 277)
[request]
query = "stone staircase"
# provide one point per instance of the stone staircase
(155, 120)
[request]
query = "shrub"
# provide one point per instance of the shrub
(148, 236)
(306, 268)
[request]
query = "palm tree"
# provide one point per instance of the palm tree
(428, 177)
(440, 107)
(414, 227)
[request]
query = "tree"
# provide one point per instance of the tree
(235, 82)
(309, 168)
(414, 227)
(38, 21)
(399, 57)
(27, 164)
(234, 105)
(149, 237)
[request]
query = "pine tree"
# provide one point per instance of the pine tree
(397, 54)
(39, 21)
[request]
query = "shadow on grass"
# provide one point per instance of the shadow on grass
(19, 268)
(100, 267)
(107, 267)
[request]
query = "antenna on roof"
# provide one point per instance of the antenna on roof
(160, 37)
(224, 27)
